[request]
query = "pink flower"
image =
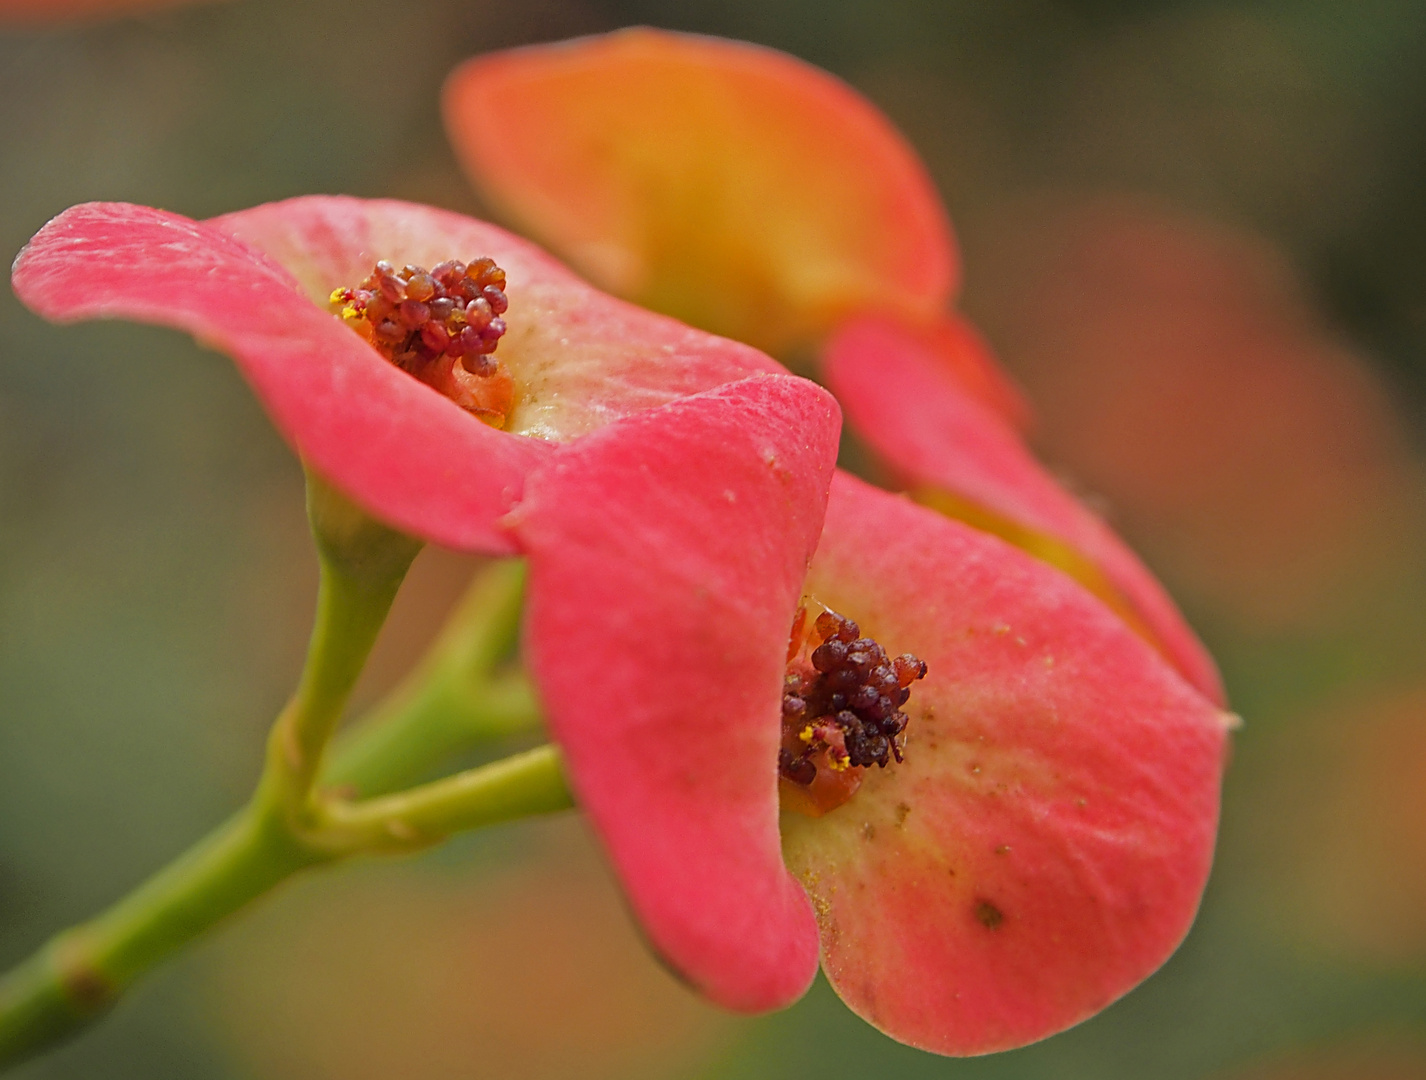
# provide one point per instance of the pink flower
(1022, 834)
(1040, 850)
(256, 285)
(752, 194)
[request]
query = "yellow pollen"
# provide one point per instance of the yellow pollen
(351, 314)
(838, 762)
(806, 734)
(338, 295)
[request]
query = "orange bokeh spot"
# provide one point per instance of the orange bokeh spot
(1181, 371)
(732, 186)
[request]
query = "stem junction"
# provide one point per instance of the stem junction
(307, 810)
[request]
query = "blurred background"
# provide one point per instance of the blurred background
(1195, 230)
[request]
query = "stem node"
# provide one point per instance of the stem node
(80, 979)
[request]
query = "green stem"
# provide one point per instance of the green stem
(451, 702)
(82, 971)
(362, 564)
(457, 697)
(453, 699)
(519, 786)
(401, 742)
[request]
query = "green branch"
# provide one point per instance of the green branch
(459, 696)
(519, 786)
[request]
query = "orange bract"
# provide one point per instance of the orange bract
(733, 186)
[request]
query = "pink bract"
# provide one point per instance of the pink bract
(662, 589)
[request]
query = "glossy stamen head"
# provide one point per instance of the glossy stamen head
(841, 711)
(441, 325)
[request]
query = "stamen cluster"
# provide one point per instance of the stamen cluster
(415, 317)
(847, 707)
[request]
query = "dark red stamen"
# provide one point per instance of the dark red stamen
(844, 707)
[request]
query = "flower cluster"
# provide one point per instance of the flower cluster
(1039, 827)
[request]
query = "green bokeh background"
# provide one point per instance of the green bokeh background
(156, 583)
